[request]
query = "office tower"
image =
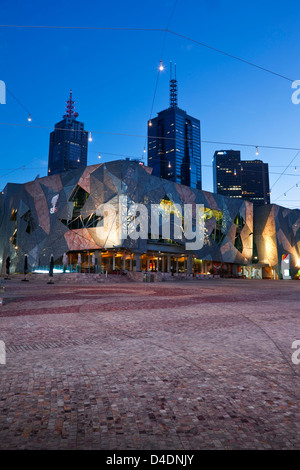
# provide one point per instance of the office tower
(174, 143)
(255, 181)
(227, 173)
(244, 179)
(68, 142)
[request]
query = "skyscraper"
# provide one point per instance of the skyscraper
(244, 179)
(174, 143)
(227, 173)
(255, 181)
(68, 142)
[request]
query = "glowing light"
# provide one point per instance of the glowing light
(90, 137)
(234, 172)
(99, 156)
(161, 67)
(55, 270)
(150, 123)
(169, 166)
(256, 151)
(29, 118)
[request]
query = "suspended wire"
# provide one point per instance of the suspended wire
(19, 102)
(165, 30)
(252, 64)
(24, 168)
(95, 28)
(236, 144)
(133, 157)
(172, 138)
(16, 99)
(296, 185)
(154, 95)
(245, 170)
(152, 105)
(285, 169)
(159, 70)
(12, 171)
(249, 145)
(169, 22)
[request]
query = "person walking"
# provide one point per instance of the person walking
(51, 267)
(7, 267)
(25, 268)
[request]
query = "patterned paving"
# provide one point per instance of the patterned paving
(190, 365)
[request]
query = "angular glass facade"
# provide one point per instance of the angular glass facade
(61, 214)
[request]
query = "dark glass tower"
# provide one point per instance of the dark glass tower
(227, 173)
(174, 144)
(244, 179)
(68, 143)
(255, 181)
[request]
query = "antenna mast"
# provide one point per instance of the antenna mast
(173, 88)
(70, 108)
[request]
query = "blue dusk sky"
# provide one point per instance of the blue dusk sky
(113, 74)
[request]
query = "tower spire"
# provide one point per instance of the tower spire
(173, 88)
(70, 108)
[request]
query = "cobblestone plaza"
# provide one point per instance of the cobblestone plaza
(173, 365)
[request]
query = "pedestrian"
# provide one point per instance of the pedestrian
(7, 267)
(25, 268)
(65, 262)
(79, 263)
(51, 267)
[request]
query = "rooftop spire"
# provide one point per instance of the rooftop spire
(173, 88)
(70, 108)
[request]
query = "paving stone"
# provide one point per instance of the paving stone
(193, 365)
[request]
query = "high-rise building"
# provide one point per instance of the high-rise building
(174, 144)
(227, 173)
(255, 181)
(68, 142)
(244, 179)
